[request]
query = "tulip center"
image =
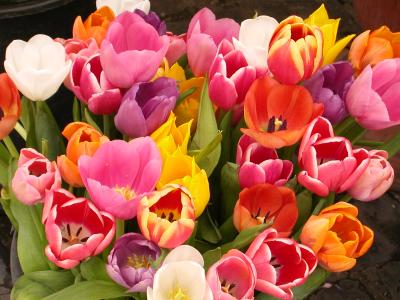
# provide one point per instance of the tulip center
(1, 113)
(178, 294)
(37, 168)
(139, 261)
(276, 124)
(227, 287)
(125, 192)
(84, 137)
(262, 218)
(73, 234)
(169, 207)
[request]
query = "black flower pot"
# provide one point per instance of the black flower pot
(14, 8)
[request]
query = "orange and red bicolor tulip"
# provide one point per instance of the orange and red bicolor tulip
(95, 26)
(83, 139)
(265, 203)
(10, 105)
(337, 237)
(370, 48)
(277, 115)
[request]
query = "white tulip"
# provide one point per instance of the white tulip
(119, 6)
(37, 67)
(254, 38)
(181, 276)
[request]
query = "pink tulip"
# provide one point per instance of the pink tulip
(76, 230)
(119, 174)
(78, 48)
(232, 277)
(376, 179)
(258, 164)
(35, 175)
(281, 264)
(89, 84)
(204, 35)
(177, 47)
(372, 98)
(230, 77)
(132, 50)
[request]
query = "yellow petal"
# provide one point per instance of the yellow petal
(334, 51)
(319, 17)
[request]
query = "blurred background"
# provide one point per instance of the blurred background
(377, 275)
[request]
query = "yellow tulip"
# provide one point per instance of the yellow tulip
(182, 169)
(175, 71)
(329, 28)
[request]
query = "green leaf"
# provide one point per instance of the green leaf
(236, 134)
(94, 269)
(201, 156)
(37, 285)
(211, 257)
(314, 281)
(304, 204)
(392, 146)
(226, 144)
(206, 130)
(76, 111)
(207, 230)
(90, 290)
(228, 230)
(28, 120)
(3, 174)
(90, 120)
(4, 154)
(349, 128)
(230, 189)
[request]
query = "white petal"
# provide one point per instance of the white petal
(257, 32)
(184, 253)
(52, 57)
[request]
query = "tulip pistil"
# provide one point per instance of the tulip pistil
(261, 219)
(139, 261)
(125, 192)
(178, 294)
(75, 235)
(276, 124)
(227, 287)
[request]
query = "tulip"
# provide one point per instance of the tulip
(75, 231)
(298, 47)
(264, 204)
(188, 175)
(146, 106)
(167, 217)
(337, 237)
(78, 48)
(129, 262)
(204, 35)
(230, 77)
(329, 164)
(125, 63)
(329, 86)
(370, 48)
(83, 139)
(329, 29)
(232, 277)
(175, 71)
(120, 173)
(89, 84)
(154, 20)
(10, 105)
(277, 115)
(371, 99)
(182, 267)
(35, 174)
(281, 263)
(95, 26)
(177, 47)
(376, 179)
(119, 6)
(37, 67)
(258, 164)
(254, 38)
(55, 197)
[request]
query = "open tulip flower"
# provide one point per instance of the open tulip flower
(281, 263)
(370, 48)
(276, 114)
(266, 204)
(75, 231)
(337, 237)
(37, 67)
(329, 29)
(119, 6)
(372, 98)
(83, 139)
(77, 48)
(298, 47)
(119, 174)
(167, 216)
(10, 105)
(177, 47)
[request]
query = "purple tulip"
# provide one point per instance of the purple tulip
(154, 20)
(329, 86)
(129, 262)
(146, 106)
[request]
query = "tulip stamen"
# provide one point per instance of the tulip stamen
(70, 238)
(276, 124)
(178, 294)
(227, 287)
(125, 192)
(139, 261)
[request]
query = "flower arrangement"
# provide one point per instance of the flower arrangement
(217, 164)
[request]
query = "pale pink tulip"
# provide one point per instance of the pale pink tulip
(177, 47)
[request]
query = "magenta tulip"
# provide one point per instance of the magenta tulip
(204, 35)
(34, 176)
(281, 263)
(373, 97)
(132, 50)
(177, 47)
(76, 230)
(119, 174)
(376, 179)
(258, 164)
(230, 77)
(89, 84)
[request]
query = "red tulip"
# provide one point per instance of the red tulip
(10, 105)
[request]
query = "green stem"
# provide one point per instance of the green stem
(120, 230)
(71, 189)
(36, 217)
(345, 198)
(369, 143)
(107, 125)
(21, 130)
(10, 146)
(184, 95)
(324, 202)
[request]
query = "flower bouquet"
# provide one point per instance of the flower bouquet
(217, 164)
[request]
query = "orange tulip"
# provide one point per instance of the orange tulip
(276, 114)
(83, 139)
(370, 48)
(337, 237)
(10, 105)
(95, 26)
(264, 203)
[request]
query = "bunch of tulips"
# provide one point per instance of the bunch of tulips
(216, 164)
